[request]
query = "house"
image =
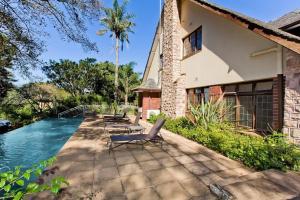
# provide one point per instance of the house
(201, 50)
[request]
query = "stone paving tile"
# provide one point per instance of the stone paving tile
(122, 160)
(214, 165)
(184, 159)
(172, 191)
(109, 187)
(160, 154)
(168, 162)
(81, 183)
(121, 153)
(104, 163)
(135, 182)
(159, 176)
(144, 194)
(194, 187)
(210, 178)
(197, 168)
(200, 157)
(129, 169)
(106, 174)
(180, 173)
(150, 165)
(83, 165)
(143, 156)
(259, 188)
(234, 172)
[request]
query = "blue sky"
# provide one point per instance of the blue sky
(147, 15)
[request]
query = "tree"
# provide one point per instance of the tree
(7, 53)
(128, 80)
(22, 23)
(119, 23)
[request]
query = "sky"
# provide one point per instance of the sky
(146, 17)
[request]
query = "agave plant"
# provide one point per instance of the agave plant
(213, 111)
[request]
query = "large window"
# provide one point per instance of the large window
(192, 43)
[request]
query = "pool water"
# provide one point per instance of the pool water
(36, 142)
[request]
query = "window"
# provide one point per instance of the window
(246, 111)
(231, 112)
(192, 43)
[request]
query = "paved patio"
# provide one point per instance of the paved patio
(181, 170)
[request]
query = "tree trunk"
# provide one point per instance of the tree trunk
(126, 91)
(116, 71)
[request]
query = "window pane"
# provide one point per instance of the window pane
(230, 115)
(187, 47)
(198, 95)
(199, 39)
(246, 111)
(193, 41)
(264, 86)
(229, 88)
(206, 94)
(245, 88)
(264, 111)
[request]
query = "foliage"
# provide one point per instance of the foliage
(16, 184)
(273, 151)
(128, 80)
(22, 23)
(119, 23)
(212, 111)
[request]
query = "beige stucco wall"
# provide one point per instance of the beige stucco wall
(154, 72)
(225, 55)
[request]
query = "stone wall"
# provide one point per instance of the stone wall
(292, 95)
(173, 100)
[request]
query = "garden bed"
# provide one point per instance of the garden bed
(272, 152)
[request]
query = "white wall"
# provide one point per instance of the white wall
(225, 55)
(154, 66)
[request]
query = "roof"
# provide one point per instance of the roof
(148, 85)
(264, 29)
(287, 19)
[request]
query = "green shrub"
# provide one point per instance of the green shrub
(273, 151)
(16, 184)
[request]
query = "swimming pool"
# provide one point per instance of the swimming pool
(36, 142)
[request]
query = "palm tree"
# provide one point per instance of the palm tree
(128, 80)
(119, 23)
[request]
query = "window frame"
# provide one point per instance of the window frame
(196, 42)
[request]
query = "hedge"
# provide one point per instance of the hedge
(273, 151)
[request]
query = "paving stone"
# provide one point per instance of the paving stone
(210, 178)
(168, 162)
(200, 157)
(83, 165)
(82, 181)
(125, 160)
(175, 152)
(160, 154)
(109, 187)
(152, 148)
(194, 187)
(197, 168)
(261, 188)
(184, 159)
(160, 176)
(122, 153)
(106, 173)
(228, 163)
(143, 156)
(234, 172)
(135, 182)
(214, 165)
(180, 173)
(129, 169)
(104, 163)
(144, 194)
(150, 165)
(172, 191)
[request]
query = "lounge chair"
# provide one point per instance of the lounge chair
(139, 139)
(135, 127)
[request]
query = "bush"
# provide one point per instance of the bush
(16, 184)
(273, 151)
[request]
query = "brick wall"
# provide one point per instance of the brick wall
(278, 98)
(215, 92)
(151, 101)
(292, 95)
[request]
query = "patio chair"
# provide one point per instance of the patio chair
(135, 127)
(138, 139)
